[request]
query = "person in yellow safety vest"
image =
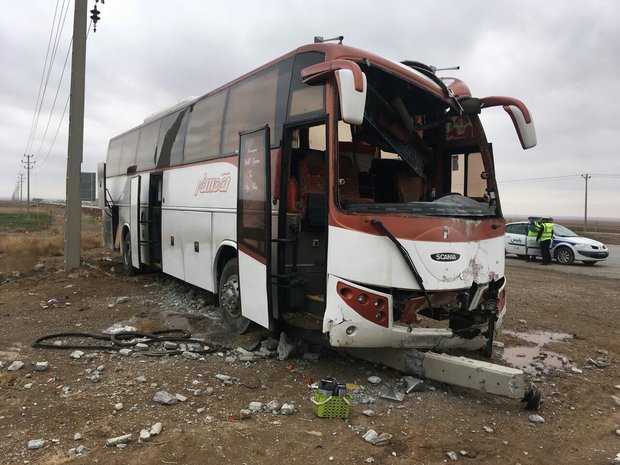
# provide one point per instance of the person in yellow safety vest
(544, 237)
(530, 241)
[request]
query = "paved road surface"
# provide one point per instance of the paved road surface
(609, 268)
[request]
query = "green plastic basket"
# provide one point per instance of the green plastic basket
(331, 406)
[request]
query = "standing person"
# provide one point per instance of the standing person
(544, 236)
(532, 237)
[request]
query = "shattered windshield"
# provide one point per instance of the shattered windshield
(413, 153)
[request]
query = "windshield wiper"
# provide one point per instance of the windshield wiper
(405, 254)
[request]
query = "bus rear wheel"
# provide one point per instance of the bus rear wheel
(128, 268)
(230, 299)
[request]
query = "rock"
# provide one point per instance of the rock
(145, 435)
(392, 394)
(223, 378)
(536, 419)
(598, 363)
(488, 429)
(27, 386)
(169, 345)
(38, 266)
(118, 440)
(16, 365)
(374, 380)
(209, 391)
(616, 461)
(452, 455)
(269, 344)
(141, 379)
(123, 299)
(244, 414)
(616, 399)
(498, 344)
(602, 352)
(36, 444)
(377, 439)
(141, 346)
(180, 397)
(190, 355)
(369, 413)
(125, 352)
(79, 450)
(163, 397)
(412, 384)
(286, 347)
(576, 370)
(273, 406)
(256, 406)
(287, 409)
(522, 322)
(77, 436)
(156, 428)
(118, 406)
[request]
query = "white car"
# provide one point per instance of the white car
(566, 246)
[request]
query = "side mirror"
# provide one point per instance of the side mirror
(520, 115)
(351, 86)
(352, 101)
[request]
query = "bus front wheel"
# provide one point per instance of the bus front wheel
(230, 299)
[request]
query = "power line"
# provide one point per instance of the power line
(556, 178)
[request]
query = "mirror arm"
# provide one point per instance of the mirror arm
(321, 71)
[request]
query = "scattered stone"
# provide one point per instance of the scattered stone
(208, 419)
(223, 378)
(576, 370)
(498, 344)
(452, 455)
(374, 380)
(537, 419)
(163, 397)
(180, 397)
(190, 355)
(273, 406)
(79, 450)
(122, 300)
(247, 358)
(602, 352)
(616, 461)
(118, 406)
(119, 440)
(156, 428)
(169, 345)
(27, 386)
(36, 444)
(125, 352)
(256, 406)
(209, 391)
(77, 436)
(616, 399)
(244, 414)
(269, 344)
(377, 439)
(488, 429)
(618, 432)
(38, 266)
(141, 346)
(16, 365)
(76, 354)
(522, 322)
(145, 435)
(287, 409)
(369, 413)
(141, 379)
(201, 410)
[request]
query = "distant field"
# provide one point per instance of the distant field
(25, 220)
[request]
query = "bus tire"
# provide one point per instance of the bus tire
(229, 299)
(128, 268)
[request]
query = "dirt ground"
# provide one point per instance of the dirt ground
(81, 395)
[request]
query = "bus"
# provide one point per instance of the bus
(331, 189)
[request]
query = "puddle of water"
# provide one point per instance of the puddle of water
(534, 358)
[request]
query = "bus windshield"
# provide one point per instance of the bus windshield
(414, 154)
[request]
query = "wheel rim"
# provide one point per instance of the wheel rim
(127, 251)
(563, 256)
(229, 297)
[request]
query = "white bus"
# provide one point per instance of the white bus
(331, 189)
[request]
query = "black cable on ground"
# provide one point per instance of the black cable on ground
(126, 339)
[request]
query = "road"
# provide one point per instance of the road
(609, 268)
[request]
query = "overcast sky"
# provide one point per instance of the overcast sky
(560, 57)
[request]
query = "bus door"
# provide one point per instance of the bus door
(254, 225)
(134, 221)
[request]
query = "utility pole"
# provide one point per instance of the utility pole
(20, 181)
(585, 213)
(28, 166)
(73, 208)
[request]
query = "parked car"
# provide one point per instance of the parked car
(566, 245)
